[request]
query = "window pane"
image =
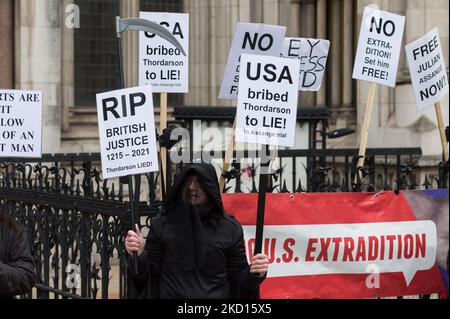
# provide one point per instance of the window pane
(162, 5)
(95, 50)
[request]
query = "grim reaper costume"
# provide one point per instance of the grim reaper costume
(194, 252)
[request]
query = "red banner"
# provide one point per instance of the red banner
(302, 268)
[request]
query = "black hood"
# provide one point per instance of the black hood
(189, 220)
(207, 176)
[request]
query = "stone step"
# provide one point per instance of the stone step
(92, 110)
(80, 146)
(88, 116)
(80, 133)
(92, 119)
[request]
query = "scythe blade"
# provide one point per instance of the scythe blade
(137, 24)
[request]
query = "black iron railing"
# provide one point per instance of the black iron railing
(76, 221)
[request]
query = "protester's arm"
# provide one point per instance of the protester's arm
(17, 276)
(248, 282)
(148, 260)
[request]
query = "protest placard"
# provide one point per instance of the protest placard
(313, 54)
(379, 46)
(429, 77)
(376, 61)
(267, 101)
(250, 38)
(162, 65)
(20, 123)
(266, 113)
(127, 132)
(427, 69)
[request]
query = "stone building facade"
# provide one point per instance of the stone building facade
(41, 47)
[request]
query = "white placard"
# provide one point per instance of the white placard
(20, 123)
(267, 102)
(161, 64)
(127, 132)
(251, 38)
(427, 68)
(313, 54)
(379, 46)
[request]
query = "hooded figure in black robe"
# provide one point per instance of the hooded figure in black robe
(194, 251)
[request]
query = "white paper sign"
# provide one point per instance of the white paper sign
(427, 68)
(20, 123)
(267, 102)
(312, 54)
(127, 132)
(379, 46)
(251, 38)
(305, 250)
(161, 64)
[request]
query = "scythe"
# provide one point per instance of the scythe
(136, 24)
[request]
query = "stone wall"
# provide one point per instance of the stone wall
(38, 61)
(43, 59)
(6, 44)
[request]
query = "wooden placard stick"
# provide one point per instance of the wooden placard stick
(228, 156)
(440, 119)
(366, 127)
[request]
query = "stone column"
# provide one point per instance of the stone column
(270, 11)
(399, 7)
(347, 54)
(290, 17)
(363, 86)
(67, 63)
(335, 54)
(6, 43)
(215, 56)
(245, 11)
(204, 55)
(308, 29)
(198, 23)
(256, 11)
(130, 44)
(343, 113)
(38, 61)
(212, 28)
(321, 25)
